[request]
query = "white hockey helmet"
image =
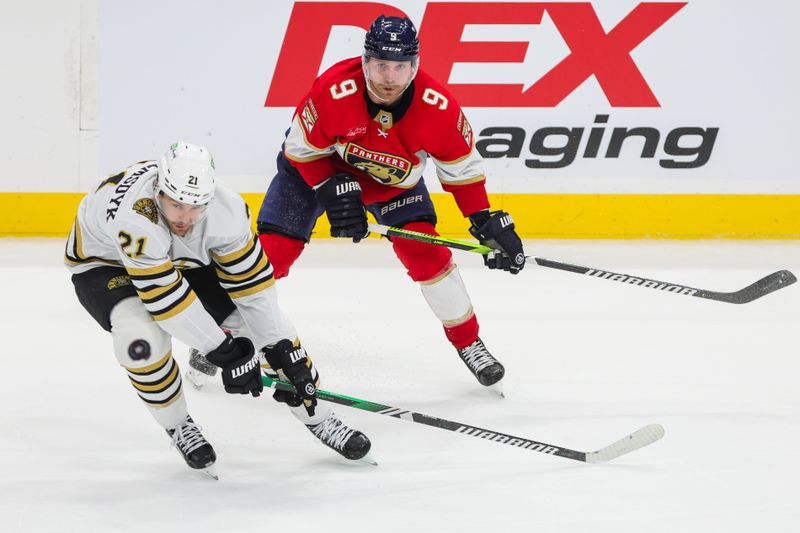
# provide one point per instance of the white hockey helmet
(186, 173)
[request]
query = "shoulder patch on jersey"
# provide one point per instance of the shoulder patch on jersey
(147, 208)
(309, 116)
(118, 281)
(462, 125)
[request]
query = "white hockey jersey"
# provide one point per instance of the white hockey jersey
(119, 224)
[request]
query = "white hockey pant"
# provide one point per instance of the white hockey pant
(145, 351)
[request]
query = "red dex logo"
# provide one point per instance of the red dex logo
(593, 50)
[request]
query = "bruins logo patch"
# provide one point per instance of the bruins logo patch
(147, 208)
(118, 281)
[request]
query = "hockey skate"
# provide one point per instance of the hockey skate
(193, 447)
(483, 365)
(348, 442)
(200, 369)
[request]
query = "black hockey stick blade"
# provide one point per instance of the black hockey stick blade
(766, 285)
(638, 439)
(762, 287)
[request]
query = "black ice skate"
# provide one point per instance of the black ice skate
(483, 366)
(194, 448)
(350, 443)
(200, 369)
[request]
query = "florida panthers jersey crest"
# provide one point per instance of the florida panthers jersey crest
(386, 168)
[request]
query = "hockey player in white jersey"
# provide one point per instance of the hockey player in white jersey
(164, 250)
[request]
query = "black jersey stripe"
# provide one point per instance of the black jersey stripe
(152, 368)
(158, 293)
(238, 256)
(263, 265)
(77, 242)
(166, 401)
(137, 378)
(258, 277)
(254, 245)
(191, 263)
(175, 308)
(164, 269)
(150, 277)
(242, 282)
(77, 257)
(157, 386)
(252, 288)
(156, 305)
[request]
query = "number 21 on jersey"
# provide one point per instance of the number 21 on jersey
(125, 241)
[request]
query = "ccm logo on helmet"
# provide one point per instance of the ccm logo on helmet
(595, 50)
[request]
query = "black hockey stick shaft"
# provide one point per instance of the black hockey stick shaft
(771, 283)
(766, 285)
(641, 437)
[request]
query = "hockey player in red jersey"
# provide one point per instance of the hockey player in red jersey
(360, 141)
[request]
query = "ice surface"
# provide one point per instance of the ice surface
(588, 361)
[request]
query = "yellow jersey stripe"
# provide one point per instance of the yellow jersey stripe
(79, 242)
(262, 264)
(252, 290)
(160, 269)
(233, 256)
(155, 292)
(158, 387)
(150, 368)
(166, 404)
(187, 301)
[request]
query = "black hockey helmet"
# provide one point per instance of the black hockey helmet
(392, 39)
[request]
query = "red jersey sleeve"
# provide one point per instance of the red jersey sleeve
(451, 144)
(307, 145)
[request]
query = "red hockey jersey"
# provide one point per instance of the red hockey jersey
(336, 128)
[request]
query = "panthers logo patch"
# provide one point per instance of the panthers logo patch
(147, 208)
(309, 116)
(464, 128)
(386, 168)
(118, 281)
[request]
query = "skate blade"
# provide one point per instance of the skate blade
(367, 459)
(497, 389)
(211, 471)
(197, 379)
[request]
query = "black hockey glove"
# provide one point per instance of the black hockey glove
(496, 230)
(341, 198)
(292, 365)
(241, 373)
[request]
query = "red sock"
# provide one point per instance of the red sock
(281, 251)
(463, 334)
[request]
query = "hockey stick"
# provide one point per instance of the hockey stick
(771, 283)
(638, 439)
